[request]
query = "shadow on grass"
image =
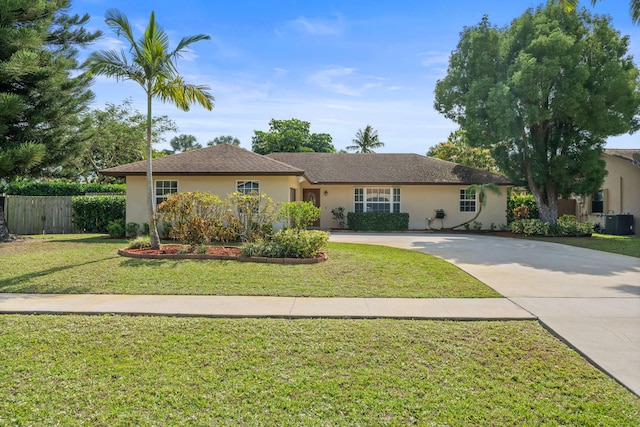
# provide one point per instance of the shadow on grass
(17, 280)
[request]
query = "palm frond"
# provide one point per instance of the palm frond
(182, 94)
(120, 24)
(635, 11)
(186, 41)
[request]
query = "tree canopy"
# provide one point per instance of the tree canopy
(224, 139)
(41, 91)
(289, 136)
(366, 141)
(543, 94)
(456, 149)
(116, 136)
(184, 142)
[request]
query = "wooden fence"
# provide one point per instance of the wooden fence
(39, 214)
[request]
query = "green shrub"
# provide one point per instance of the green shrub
(290, 243)
(514, 207)
(141, 242)
(193, 218)
(377, 221)
(299, 215)
(131, 229)
(568, 225)
(300, 243)
(337, 214)
(255, 213)
(116, 228)
(58, 188)
(94, 213)
(530, 227)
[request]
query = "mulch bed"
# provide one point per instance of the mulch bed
(230, 253)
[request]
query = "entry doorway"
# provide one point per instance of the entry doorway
(312, 195)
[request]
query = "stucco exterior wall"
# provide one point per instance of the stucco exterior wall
(276, 187)
(621, 191)
(420, 202)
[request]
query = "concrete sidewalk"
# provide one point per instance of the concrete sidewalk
(248, 306)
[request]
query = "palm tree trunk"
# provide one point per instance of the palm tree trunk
(153, 229)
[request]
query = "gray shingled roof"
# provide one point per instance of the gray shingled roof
(223, 159)
(380, 168)
(626, 154)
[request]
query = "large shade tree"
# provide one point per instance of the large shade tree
(41, 91)
(152, 65)
(290, 136)
(366, 141)
(543, 94)
(115, 136)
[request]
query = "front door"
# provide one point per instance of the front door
(312, 195)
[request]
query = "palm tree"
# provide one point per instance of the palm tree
(634, 7)
(365, 141)
(153, 67)
(480, 190)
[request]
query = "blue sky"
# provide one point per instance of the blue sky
(339, 65)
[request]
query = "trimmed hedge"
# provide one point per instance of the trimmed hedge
(60, 188)
(94, 213)
(377, 221)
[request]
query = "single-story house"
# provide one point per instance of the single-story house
(410, 183)
(619, 195)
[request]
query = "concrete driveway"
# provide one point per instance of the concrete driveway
(590, 299)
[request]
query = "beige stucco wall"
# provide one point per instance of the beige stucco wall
(621, 192)
(420, 202)
(276, 187)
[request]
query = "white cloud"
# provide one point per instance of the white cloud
(429, 59)
(344, 80)
(318, 27)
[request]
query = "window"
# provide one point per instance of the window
(246, 187)
(164, 189)
(467, 200)
(597, 202)
(383, 200)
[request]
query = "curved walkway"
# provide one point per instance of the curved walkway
(590, 299)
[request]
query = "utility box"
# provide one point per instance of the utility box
(619, 224)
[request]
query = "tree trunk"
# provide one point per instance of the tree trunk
(546, 199)
(153, 229)
(4, 230)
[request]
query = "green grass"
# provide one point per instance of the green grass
(623, 245)
(121, 371)
(90, 264)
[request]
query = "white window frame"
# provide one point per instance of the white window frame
(465, 202)
(166, 190)
(360, 203)
(251, 182)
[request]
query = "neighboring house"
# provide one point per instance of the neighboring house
(620, 193)
(410, 183)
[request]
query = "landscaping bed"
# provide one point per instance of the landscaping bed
(213, 252)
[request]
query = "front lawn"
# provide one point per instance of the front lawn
(623, 245)
(90, 264)
(117, 371)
